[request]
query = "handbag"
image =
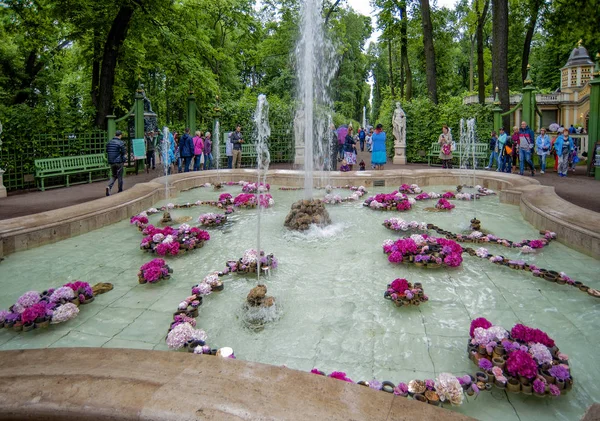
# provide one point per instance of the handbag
(453, 146)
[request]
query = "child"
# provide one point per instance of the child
(344, 167)
(573, 159)
(362, 165)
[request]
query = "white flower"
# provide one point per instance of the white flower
(476, 234)
(434, 195)
(271, 202)
(179, 335)
(418, 239)
(152, 210)
(198, 202)
(170, 206)
(527, 249)
(482, 252)
(354, 196)
(64, 312)
(388, 243)
(168, 239)
(414, 186)
(207, 184)
(411, 200)
(449, 389)
(212, 279)
(199, 335)
(183, 305)
(423, 226)
(143, 214)
(157, 238)
(242, 182)
(418, 190)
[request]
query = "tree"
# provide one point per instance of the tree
(429, 50)
(499, 54)
(535, 7)
(481, 18)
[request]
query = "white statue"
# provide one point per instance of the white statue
(399, 125)
(399, 129)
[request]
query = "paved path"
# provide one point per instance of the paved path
(577, 188)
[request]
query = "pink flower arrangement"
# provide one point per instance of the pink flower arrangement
(154, 271)
(403, 206)
(245, 200)
(383, 201)
(537, 244)
(225, 199)
(170, 241)
(422, 196)
(521, 363)
(265, 200)
(527, 334)
(399, 285)
(539, 386)
(139, 221)
(444, 204)
(448, 195)
(80, 287)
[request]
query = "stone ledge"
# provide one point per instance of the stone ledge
(118, 384)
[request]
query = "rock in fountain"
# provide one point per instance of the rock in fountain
(166, 218)
(257, 297)
(306, 212)
(475, 224)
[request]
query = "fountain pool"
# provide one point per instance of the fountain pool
(330, 283)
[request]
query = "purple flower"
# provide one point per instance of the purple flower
(554, 390)
(560, 372)
(429, 384)
(539, 387)
(375, 384)
(401, 389)
(485, 364)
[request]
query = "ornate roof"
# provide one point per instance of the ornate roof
(579, 57)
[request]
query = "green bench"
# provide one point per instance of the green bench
(481, 152)
(70, 165)
(248, 151)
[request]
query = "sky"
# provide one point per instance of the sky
(364, 7)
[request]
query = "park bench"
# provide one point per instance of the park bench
(481, 152)
(248, 152)
(70, 165)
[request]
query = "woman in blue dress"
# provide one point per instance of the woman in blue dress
(378, 156)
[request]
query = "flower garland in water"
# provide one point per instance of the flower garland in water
(182, 331)
(403, 293)
(399, 224)
(445, 389)
(171, 241)
(443, 204)
(478, 237)
(55, 305)
(248, 201)
(552, 276)
(154, 271)
(525, 360)
(254, 188)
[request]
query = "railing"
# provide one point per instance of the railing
(18, 161)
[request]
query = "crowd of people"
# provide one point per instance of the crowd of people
(345, 144)
(513, 153)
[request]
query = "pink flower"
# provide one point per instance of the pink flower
(399, 285)
(479, 322)
(521, 363)
(340, 375)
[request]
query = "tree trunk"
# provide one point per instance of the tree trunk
(499, 54)
(535, 6)
(391, 69)
(95, 68)
(114, 40)
(404, 53)
(471, 64)
(481, 18)
(429, 50)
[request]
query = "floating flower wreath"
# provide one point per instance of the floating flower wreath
(212, 219)
(403, 293)
(154, 271)
(392, 201)
(399, 224)
(171, 241)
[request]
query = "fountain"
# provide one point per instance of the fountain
(315, 68)
(263, 157)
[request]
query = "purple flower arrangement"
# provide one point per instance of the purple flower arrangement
(38, 310)
(154, 271)
(424, 250)
(448, 195)
(139, 221)
(403, 293)
(171, 241)
(388, 201)
(255, 188)
(525, 354)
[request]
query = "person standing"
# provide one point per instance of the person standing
(150, 148)
(237, 140)
(361, 137)
(229, 151)
(115, 152)
(370, 141)
(563, 146)
(526, 142)
(543, 145)
(350, 148)
(341, 135)
(186, 149)
(207, 151)
(445, 141)
(515, 148)
(500, 147)
(493, 151)
(507, 155)
(198, 147)
(378, 156)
